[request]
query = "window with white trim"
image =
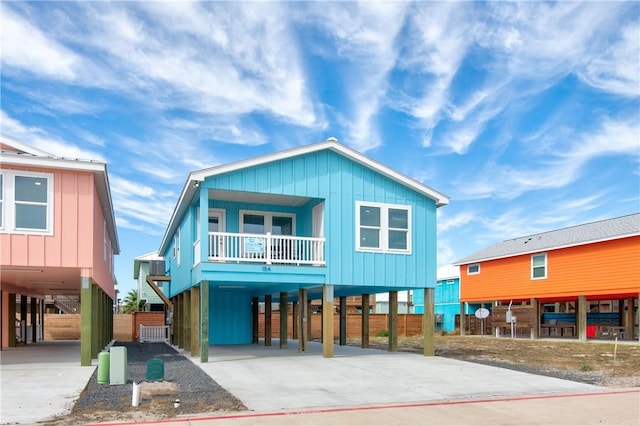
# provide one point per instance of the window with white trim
(473, 269)
(276, 223)
(383, 227)
(539, 266)
(176, 246)
(104, 233)
(1, 201)
(26, 200)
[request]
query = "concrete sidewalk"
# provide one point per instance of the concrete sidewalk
(40, 381)
(610, 407)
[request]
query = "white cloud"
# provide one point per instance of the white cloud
(136, 203)
(25, 48)
(446, 222)
(364, 34)
(39, 138)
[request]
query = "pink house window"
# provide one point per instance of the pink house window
(26, 201)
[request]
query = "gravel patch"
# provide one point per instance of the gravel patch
(183, 381)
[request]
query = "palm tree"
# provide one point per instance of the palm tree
(131, 302)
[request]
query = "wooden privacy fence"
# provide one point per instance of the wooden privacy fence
(408, 325)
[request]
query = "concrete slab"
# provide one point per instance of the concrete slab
(40, 381)
(270, 378)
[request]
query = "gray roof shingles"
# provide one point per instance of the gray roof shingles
(609, 229)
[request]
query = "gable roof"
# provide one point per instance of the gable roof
(588, 233)
(448, 272)
(191, 185)
(145, 258)
(18, 153)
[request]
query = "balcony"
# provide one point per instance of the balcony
(266, 249)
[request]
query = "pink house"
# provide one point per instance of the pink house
(58, 240)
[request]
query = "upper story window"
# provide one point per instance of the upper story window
(539, 266)
(383, 227)
(1, 201)
(26, 202)
(252, 222)
(176, 246)
(473, 269)
(104, 229)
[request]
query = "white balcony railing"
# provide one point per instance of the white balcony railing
(268, 249)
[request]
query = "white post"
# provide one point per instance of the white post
(268, 248)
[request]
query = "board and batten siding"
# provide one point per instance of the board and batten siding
(596, 269)
(340, 182)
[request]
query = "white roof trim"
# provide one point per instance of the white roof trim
(38, 158)
(544, 250)
(439, 198)
(188, 190)
(20, 146)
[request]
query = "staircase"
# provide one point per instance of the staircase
(67, 304)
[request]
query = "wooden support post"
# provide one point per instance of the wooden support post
(255, 320)
(343, 321)
(628, 319)
(365, 321)
(327, 321)
(631, 308)
(284, 318)
(187, 319)
(303, 320)
(12, 322)
(429, 323)
(85, 320)
(34, 325)
(463, 331)
(195, 321)
(295, 326)
(267, 320)
(204, 321)
(95, 293)
(177, 321)
(42, 307)
(23, 319)
(393, 321)
(535, 318)
(581, 318)
(309, 315)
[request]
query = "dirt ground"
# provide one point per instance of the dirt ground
(600, 363)
(603, 363)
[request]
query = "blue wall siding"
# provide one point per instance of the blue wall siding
(341, 182)
(446, 302)
(229, 318)
(181, 275)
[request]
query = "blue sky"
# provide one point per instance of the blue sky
(527, 114)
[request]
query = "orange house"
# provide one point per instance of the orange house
(58, 240)
(584, 278)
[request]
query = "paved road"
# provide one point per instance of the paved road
(619, 408)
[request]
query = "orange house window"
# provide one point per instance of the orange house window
(539, 266)
(473, 269)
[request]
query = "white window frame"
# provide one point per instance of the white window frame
(384, 227)
(104, 229)
(176, 246)
(9, 204)
(546, 270)
(2, 197)
(469, 269)
(268, 222)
